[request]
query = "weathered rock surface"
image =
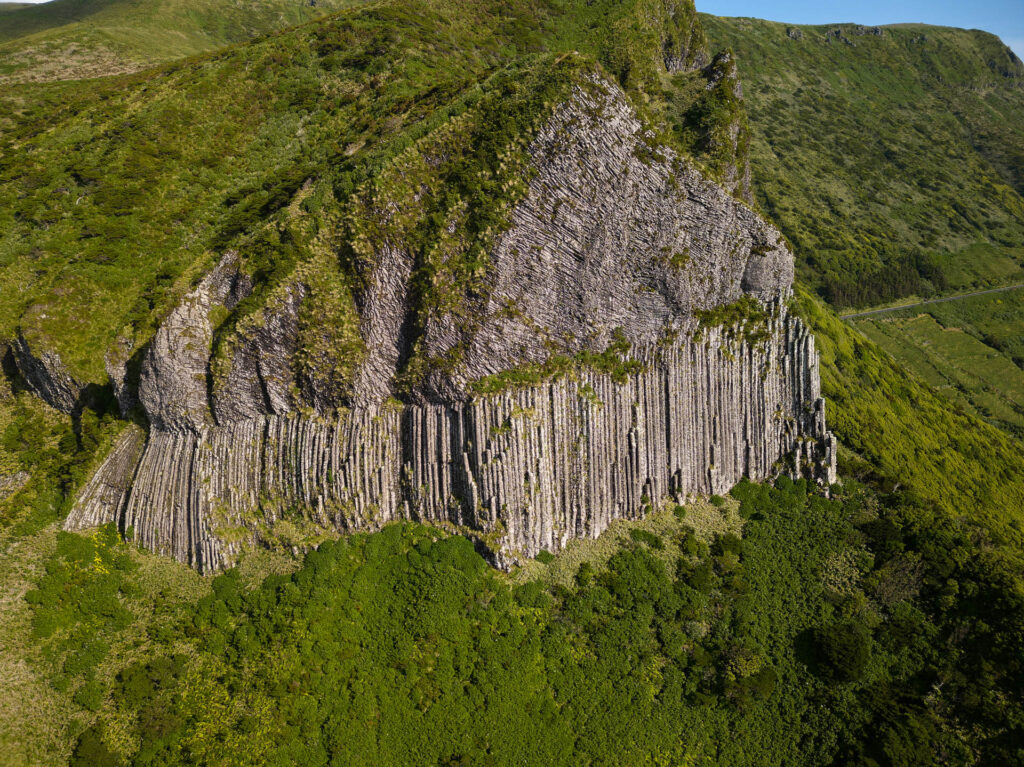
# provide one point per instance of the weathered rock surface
(260, 380)
(613, 235)
(384, 310)
(103, 497)
(173, 383)
(12, 483)
(527, 470)
(614, 238)
(46, 375)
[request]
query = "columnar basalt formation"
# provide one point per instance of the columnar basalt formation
(644, 306)
(525, 470)
(103, 498)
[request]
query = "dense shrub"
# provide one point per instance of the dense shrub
(842, 651)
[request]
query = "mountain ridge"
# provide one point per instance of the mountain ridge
(867, 235)
(75, 39)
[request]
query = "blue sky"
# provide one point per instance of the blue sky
(1002, 17)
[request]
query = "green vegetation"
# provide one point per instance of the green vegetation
(77, 602)
(614, 362)
(56, 454)
(745, 318)
(795, 629)
(714, 126)
(970, 362)
(72, 39)
(117, 193)
(994, 319)
(903, 433)
(892, 162)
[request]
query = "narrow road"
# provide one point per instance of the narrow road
(932, 301)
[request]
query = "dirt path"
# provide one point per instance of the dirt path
(932, 301)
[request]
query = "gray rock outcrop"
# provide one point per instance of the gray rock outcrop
(617, 240)
(173, 380)
(526, 470)
(260, 380)
(46, 375)
(12, 483)
(611, 236)
(102, 499)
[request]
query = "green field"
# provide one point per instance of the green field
(959, 348)
(982, 266)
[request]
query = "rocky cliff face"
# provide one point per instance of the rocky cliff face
(524, 471)
(615, 235)
(607, 360)
(46, 376)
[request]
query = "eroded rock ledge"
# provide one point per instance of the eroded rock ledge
(524, 471)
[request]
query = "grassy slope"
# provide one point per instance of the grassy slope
(115, 193)
(887, 159)
(913, 437)
(894, 165)
(113, 190)
(70, 39)
(967, 348)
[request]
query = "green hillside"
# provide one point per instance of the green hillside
(892, 159)
(116, 193)
(972, 349)
(888, 158)
(71, 39)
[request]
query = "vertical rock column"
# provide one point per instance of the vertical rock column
(526, 470)
(532, 468)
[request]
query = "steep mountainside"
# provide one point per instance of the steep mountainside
(891, 157)
(480, 322)
(119, 194)
(72, 39)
